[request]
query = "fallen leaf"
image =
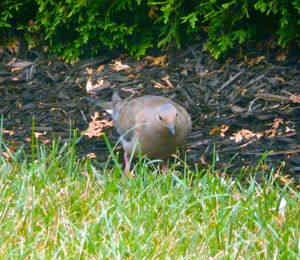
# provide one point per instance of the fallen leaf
(281, 79)
(10, 132)
(89, 85)
(133, 76)
(274, 126)
(202, 160)
(215, 131)
(6, 155)
(158, 61)
(91, 155)
(45, 141)
(206, 73)
(158, 85)
(100, 68)
(277, 122)
(295, 98)
(245, 134)
(224, 129)
(13, 46)
(254, 61)
(281, 56)
(89, 71)
(37, 134)
(184, 72)
(118, 66)
(93, 89)
(167, 81)
(219, 130)
(289, 130)
(96, 126)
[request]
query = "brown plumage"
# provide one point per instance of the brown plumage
(154, 125)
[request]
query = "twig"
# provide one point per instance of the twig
(281, 152)
(255, 80)
(228, 82)
(272, 97)
(250, 106)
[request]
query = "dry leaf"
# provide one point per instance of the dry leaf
(133, 76)
(270, 132)
(96, 126)
(206, 73)
(281, 79)
(10, 132)
(89, 71)
(158, 85)
(277, 122)
(91, 155)
(245, 134)
(13, 46)
(289, 130)
(219, 130)
(295, 98)
(45, 141)
(274, 126)
(89, 85)
(224, 129)
(100, 68)
(215, 131)
(281, 56)
(158, 61)
(38, 134)
(152, 12)
(6, 155)
(166, 80)
(255, 61)
(202, 160)
(93, 89)
(118, 66)
(184, 72)
(205, 28)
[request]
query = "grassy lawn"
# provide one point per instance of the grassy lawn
(54, 205)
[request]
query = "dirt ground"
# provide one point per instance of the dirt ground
(240, 108)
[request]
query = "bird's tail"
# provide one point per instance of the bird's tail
(115, 97)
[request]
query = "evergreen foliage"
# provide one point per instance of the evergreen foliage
(73, 28)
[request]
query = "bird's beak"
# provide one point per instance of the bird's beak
(171, 128)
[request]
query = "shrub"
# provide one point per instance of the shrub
(73, 28)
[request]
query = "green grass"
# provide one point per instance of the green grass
(54, 205)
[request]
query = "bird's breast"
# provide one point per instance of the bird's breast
(159, 144)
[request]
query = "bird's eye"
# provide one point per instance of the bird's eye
(160, 118)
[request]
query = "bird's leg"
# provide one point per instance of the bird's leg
(164, 167)
(127, 165)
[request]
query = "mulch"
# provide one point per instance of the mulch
(240, 108)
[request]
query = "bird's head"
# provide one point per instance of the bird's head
(166, 116)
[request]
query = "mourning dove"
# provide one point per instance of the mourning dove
(151, 125)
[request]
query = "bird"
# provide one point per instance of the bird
(153, 126)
